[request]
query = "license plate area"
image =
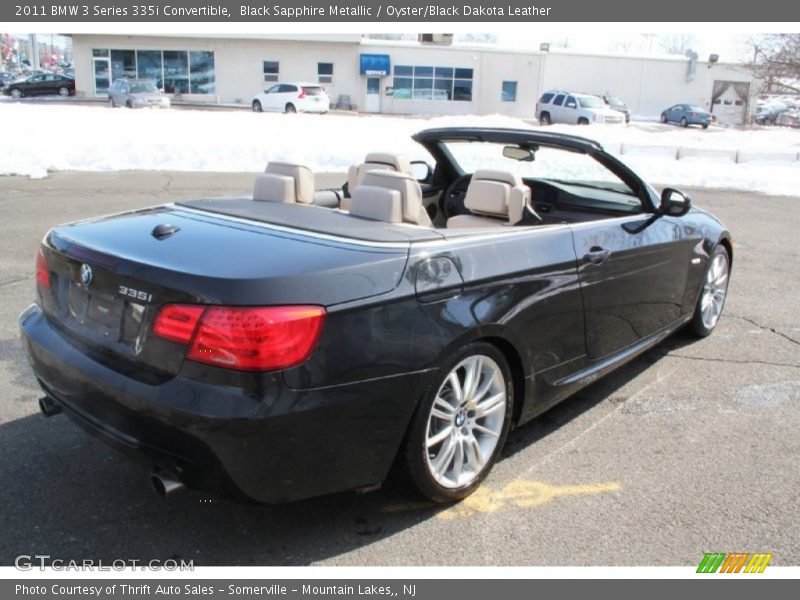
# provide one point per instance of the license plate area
(106, 316)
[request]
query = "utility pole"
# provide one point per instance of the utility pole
(34, 58)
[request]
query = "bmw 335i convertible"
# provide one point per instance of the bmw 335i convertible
(296, 342)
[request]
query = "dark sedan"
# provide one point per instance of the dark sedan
(41, 84)
(687, 114)
(269, 348)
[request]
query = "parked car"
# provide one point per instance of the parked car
(292, 98)
(5, 78)
(580, 109)
(789, 118)
(687, 114)
(618, 105)
(136, 93)
(768, 113)
(40, 84)
(330, 345)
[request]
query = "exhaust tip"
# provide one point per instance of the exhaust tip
(47, 407)
(166, 483)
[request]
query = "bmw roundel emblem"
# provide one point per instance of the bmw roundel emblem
(86, 275)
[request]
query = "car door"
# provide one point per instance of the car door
(271, 97)
(50, 84)
(288, 95)
(33, 85)
(633, 272)
(570, 110)
(557, 109)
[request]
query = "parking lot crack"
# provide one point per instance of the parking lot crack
(766, 328)
(733, 361)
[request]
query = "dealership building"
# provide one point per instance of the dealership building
(432, 76)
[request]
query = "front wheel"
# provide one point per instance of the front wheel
(257, 106)
(583, 121)
(16, 94)
(663, 118)
(461, 424)
(712, 296)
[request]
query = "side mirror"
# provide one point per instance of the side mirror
(421, 171)
(674, 203)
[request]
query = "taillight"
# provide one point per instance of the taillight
(177, 322)
(302, 93)
(243, 338)
(42, 271)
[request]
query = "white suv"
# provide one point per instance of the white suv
(293, 97)
(581, 109)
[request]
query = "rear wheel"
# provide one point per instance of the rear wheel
(684, 122)
(15, 93)
(257, 106)
(63, 91)
(712, 296)
(705, 125)
(290, 108)
(461, 424)
(544, 119)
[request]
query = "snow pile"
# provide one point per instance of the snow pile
(42, 138)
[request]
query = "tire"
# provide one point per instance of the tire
(16, 93)
(290, 109)
(446, 467)
(257, 106)
(111, 103)
(63, 91)
(663, 118)
(684, 122)
(712, 295)
(128, 104)
(705, 126)
(583, 121)
(544, 119)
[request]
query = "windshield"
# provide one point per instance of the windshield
(145, 87)
(552, 164)
(614, 101)
(590, 102)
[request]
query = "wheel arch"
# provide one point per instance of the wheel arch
(514, 359)
(726, 242)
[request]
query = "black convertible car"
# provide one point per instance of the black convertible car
(287, 345)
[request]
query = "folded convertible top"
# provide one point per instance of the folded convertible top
(313, 218)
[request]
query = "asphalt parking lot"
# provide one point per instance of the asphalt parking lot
(691, 448)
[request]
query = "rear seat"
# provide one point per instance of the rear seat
(386, 161)
(390, 197)
(285, 182)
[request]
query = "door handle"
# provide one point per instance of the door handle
(596, 255)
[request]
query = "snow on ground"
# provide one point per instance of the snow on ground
(42, 138)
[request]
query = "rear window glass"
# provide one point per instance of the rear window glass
(313, 91)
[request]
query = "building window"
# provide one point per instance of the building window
(271, 70)
(176, 72)
(100, 53)
(325, 72)
(509, 91)
(150, 66)
(201, 73)
(123, 64)
(432, 83)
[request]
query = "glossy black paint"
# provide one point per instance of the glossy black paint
(565, 303)
(41, 84)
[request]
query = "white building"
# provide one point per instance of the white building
(405, 77)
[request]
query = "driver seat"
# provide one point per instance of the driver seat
(494, 198)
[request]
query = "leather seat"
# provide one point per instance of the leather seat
(494, 198)
(386, 161)
(390, 197)
(285, 182)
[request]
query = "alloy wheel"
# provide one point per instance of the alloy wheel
(715, 289)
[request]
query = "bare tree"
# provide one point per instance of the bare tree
(776, 60)
(482, 38)
(677, 43)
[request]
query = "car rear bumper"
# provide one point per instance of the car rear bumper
(268, 444)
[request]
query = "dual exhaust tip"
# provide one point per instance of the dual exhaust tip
(164, 482)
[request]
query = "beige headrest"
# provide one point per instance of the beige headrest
(508, 177)
(488, 198)
(390, 160)
(410, 193)
(377, 204)
(303, 179)
(274, 188)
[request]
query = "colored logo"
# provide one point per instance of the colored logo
(86, 274)
(736, 562)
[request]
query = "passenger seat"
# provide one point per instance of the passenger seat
(390, 197)
(387, 161)
(285, 182)
(494, 198)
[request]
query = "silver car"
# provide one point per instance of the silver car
(137, 93)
